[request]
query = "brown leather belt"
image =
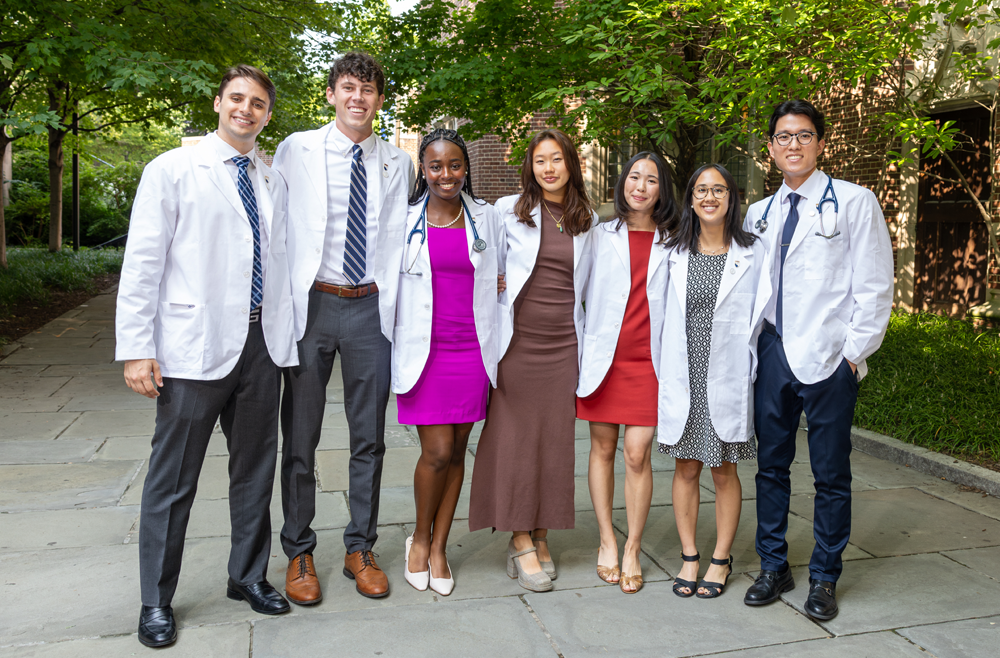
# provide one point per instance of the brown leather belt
(347, 291)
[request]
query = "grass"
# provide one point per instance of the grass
(32, 273)
(935, 383)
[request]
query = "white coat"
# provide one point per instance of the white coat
(301, 160)
(519, 245)
(184, 293)
(607, 296)
(837, 292)
(411, 343)
(733, 358)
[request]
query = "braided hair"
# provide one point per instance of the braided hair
(435, 135)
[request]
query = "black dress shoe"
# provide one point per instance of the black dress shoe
(822, 600)
(156, 626)
(261, 596)
(769, 586)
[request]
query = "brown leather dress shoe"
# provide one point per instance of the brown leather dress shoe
(372, 582)
(301, 584)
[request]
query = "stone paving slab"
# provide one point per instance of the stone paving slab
(908, 521)
(886, 593)
(486, 628)
(56, 451)
(983, 560)
(81, 370)
(112, 383)
(119, 402)
(801, 474)
(32, 427)
(139, 447)
(29, 387)
(102, 424)
(338, 439)
(219, 641)
(654, 622)
(870, 645)
(63, 486)
(55, 355)
(886, 475)
(32, 405)
(57, 529)
(973, 638)
(661, 542)
(976, 501)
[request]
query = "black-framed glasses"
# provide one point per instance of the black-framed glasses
(718, 191)
(803, 137)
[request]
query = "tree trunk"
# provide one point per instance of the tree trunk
(55, 188)
(4, 142)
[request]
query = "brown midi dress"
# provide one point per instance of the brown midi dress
(523, 474)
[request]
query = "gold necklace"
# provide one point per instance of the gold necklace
(557, 221)
(452, 222)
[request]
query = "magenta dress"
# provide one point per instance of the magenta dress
(453, 386)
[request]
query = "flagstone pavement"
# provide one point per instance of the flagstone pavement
(922, 572)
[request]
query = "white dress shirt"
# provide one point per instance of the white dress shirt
(226, 154)
(339, 158)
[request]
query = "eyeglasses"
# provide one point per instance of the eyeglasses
(804, 138)
(718, 191)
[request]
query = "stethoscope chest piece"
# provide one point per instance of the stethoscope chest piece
(479, 245)
(761, 224)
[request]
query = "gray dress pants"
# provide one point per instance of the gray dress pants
(350, 326)
(246, 403)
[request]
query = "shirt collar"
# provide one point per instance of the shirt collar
(341, 144)
(226, 152)
(808, 190)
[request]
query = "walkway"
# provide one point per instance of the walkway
(922, 572)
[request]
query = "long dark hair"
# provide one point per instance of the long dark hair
(577, 214)
(447, 135)
(685, 233)
(665, 210)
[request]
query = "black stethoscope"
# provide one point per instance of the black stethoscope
(829, 196)
(478, 244)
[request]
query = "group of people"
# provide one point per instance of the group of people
(676, 320)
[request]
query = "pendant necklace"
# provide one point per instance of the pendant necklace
(451, 223)
(557, 221)
(707, 252)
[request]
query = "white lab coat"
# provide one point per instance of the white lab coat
(837, 292)
(732, 361)
(519, 246)
(411, 344)
(184, 293)
(607, 296)
(301, 160)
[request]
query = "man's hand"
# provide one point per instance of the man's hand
(854, 368)
(140, 374)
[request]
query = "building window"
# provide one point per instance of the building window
(615, 159)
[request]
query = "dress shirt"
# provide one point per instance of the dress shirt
(226, 154)
(339, 157)
(777, 217)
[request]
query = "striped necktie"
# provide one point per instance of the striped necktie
(250, 205)
(357, 221)
(786, 239)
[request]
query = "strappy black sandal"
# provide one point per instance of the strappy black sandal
(680, 583)
(718, 587)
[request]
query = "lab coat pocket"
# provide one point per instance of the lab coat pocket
(740, 309)
(824, 257)
(181, 339)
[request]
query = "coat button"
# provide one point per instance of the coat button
(732, 270)
(427, 339)
(609, 355)
(624, 295)
(317, 250)
(427, 305)
(616, 325)
(246, 239)
(246, 275)
(244, 310)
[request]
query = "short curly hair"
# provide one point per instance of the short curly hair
(359, 64)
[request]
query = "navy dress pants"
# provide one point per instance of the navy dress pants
(779, 400)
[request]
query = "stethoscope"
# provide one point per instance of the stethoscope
(478, 244)
(829, 196)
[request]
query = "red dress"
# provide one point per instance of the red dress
(628, 394)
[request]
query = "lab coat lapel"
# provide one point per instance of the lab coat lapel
(221, 178)
(388, 167)
(737, 264)
(265, 207)
(477, 212)
(678, 265)
(657, 256)
(619, 240)
(810, 191)
(316, 168)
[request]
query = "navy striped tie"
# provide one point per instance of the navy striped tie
(786, 241)
(357, 221)
(250, 205)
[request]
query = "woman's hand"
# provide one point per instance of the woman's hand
(501, 284)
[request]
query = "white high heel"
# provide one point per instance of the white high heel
(417, 579)
(442, 586)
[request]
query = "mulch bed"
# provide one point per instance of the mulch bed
(22, 319)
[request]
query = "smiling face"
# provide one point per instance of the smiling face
(243, 112)
(711, 211)
(795, 161)
(642, 187)
(356, 103)
(549, 166)
(444, 168)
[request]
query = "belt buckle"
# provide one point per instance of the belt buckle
(255, 315)
(340, 291)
